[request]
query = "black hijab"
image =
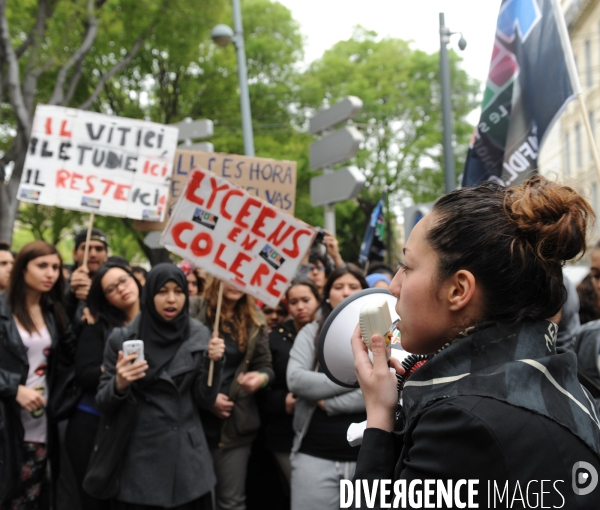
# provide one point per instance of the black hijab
(162, 338)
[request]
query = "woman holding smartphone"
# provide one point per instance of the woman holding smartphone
(167, 463)
(321, 456)
(233, 422)
(113, 301)
(486, 395)
(34, 341)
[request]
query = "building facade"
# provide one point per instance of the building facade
(566, 153)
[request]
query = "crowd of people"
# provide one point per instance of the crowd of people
(228, 407)
(185, 443)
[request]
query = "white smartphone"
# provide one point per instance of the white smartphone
(134, 347)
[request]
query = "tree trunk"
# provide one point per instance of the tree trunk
(9, 203)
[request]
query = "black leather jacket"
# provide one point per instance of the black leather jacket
(14, 368)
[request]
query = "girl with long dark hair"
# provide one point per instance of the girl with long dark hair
(166, 463)
(233, 422)
(34, 343)
(113, 301)
(486, 396)
(321, 456)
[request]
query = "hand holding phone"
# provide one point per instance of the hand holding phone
(128, 368)
(134, 347)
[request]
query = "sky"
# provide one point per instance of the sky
(325, 22)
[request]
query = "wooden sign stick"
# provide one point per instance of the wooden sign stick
(211, 368)
(87, 240)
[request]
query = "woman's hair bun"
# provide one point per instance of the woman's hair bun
(551, 219)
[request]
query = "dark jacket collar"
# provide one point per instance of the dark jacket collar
(514, 363)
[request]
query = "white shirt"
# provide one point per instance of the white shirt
(37, 346)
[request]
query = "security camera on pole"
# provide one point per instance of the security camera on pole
(333, 148)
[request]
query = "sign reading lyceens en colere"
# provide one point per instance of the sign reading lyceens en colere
(237, 237)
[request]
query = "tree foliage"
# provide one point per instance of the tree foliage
(154, 59)
(89, 54)
(401, 115)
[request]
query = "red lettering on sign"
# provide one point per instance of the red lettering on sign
(239, 260)
(90, 186)
(273, 237)
(262, 270)
(235, 231)
(74, 178)
(266, 212)
(177, 230)
(228, 195)
(109, 184)
(63, 130)
(215, 189)
(198, 250)
(218, 260)
(61, 178)
(121, 192)
(245, 211)
(49, 126)
(296, 249)
(247, 244)
(195, 181)
(274, 281)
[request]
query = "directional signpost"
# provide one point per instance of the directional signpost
(336, 186)
(192, 130)
(333, 148)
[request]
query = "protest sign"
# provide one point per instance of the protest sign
(236, 237)
(268, 179)
(98, 163)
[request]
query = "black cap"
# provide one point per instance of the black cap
(97, 235)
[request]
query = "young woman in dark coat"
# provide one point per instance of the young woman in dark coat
(167, 463)
(114, 301)
(35, 343)
(233, 421)
(489, 398)
(277, 401)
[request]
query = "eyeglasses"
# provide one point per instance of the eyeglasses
(314, 267)
(113, 288)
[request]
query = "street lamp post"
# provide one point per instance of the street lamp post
(223, 35)
(449, 176)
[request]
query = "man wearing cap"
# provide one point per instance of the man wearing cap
(81, 279)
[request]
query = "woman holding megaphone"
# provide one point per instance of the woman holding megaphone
(489, 397)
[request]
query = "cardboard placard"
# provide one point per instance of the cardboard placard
(268, 179)
(91, 162)
(237, 237)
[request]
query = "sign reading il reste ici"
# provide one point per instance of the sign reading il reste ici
(236, 237)
(98, 163)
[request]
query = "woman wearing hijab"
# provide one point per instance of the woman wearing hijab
(167, 463)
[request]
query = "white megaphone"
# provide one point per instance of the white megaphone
(335, 349)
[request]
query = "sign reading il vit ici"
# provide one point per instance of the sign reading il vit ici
(98, 163)
(236, 237)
